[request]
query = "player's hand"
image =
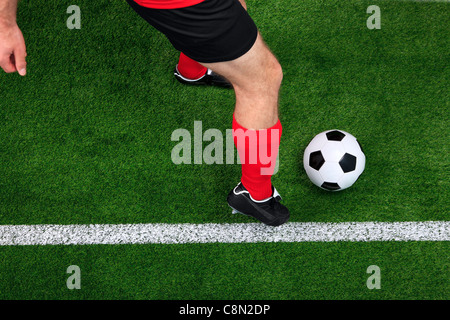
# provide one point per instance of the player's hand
(12, 50)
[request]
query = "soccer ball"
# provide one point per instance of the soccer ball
(334, 160)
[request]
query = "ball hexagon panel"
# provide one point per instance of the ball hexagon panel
(351, 145)
(314, 176)
(331, 172)
(360, 164)
(347, 180)
(333, 151)
(318, 141)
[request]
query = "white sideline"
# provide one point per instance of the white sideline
(161, 233)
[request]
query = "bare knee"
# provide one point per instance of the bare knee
(271, 78)
(265, 79)
(257, 98)
(276, 73)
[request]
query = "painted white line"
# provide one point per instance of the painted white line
(11, 235)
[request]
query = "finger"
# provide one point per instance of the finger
(7, 64)
(20, 62)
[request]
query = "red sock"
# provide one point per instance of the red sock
(258, 154)
(189, 68)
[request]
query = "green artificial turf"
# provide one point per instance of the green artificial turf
(85, 137)
(270, 271)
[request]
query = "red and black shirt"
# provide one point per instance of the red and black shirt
(167, 4)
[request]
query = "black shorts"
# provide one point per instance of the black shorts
(211, 31)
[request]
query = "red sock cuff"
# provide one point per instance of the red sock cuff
(189, 68)
(277, 126)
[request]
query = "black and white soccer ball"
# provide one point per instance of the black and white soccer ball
(334, 160)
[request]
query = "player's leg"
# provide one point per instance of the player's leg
(229, 44)
(256, 77)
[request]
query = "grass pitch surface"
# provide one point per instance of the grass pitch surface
(85, 138)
